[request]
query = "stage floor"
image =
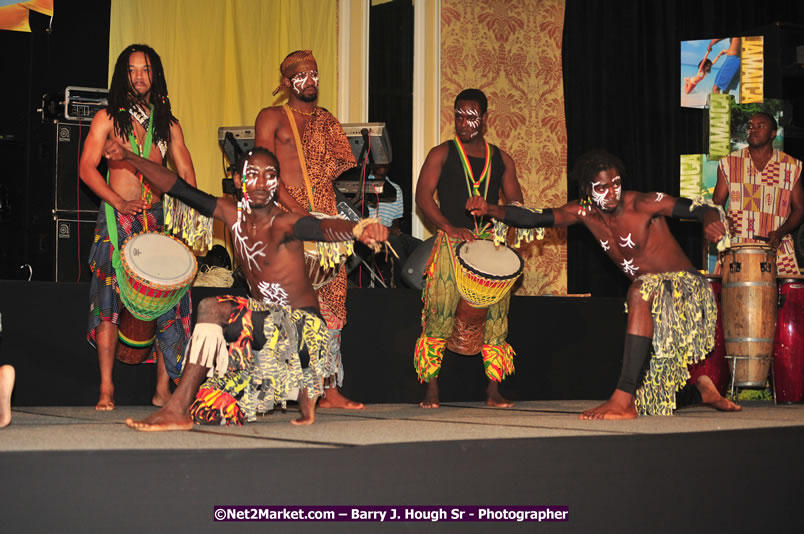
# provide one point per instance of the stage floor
(81, 428)
(75, 469)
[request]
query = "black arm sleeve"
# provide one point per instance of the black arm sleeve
(681, 210)
(524, 218)
(332, 230)
(308, 229)
(195, 198)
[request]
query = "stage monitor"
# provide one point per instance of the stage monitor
(380, 141)
(235, 140)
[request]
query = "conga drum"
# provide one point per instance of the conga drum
(323, 260)
(788, 344)
(158, 270)
(484, 274)
(748, 299)
(715, 365)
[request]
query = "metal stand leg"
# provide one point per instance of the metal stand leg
(732, 396)
(773, 381)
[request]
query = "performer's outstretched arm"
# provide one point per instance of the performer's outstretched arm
(683, 208)
(523, 217)
(166, 180)
(368, 231)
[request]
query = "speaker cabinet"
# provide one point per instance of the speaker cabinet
(71, 194)
(73, 239)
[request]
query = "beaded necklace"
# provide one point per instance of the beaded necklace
(472, 184)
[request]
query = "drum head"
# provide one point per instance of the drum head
(489, 260)
(159, 258)
(750, 248)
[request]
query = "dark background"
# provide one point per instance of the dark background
(564, 351)
(73, 51)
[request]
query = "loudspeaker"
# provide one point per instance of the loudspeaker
(71, 194)
(413, 269)
(73, 239)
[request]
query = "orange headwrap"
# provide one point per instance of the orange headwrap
(296, 62)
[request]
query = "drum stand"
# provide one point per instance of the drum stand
(733, 370)
(355, 260)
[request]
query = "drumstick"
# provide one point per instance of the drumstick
(387, 244)
(762, 238)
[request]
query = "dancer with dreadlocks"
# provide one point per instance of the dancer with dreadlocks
(671, 307)
(138, 114)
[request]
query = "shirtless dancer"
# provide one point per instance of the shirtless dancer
(139, 112)
(631, 228)
(268, 245)
(325, 155)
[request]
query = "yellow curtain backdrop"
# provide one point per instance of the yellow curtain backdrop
(221, 60)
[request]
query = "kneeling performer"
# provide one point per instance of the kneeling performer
(672, 312)
(282, 323)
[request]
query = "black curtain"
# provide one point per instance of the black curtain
(71, 49)
(391, 87)
(621, 61)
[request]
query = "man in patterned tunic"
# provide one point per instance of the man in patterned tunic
(279, 339)
(763, 188)
(671, 307)
(313, 151)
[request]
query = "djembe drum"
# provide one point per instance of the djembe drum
(322, 260)
(484, 274)
(749, 311)
(158, 272)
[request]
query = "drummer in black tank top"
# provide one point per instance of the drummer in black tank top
(452, 190)
(444, 172)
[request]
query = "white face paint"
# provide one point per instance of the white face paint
(300, 80)
(605, 244)
(471, 116)
(252, 173)
(659, 196)
(598, 198)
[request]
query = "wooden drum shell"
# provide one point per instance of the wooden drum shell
(748, 300)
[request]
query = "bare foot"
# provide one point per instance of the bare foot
(431, 395)
(162, 421)
(7, 375)
(494, 398)
(160, 398)
(162, 394)
(105, 400)
(335, 399)
(619, 406)
(307, 409)
(712, 396)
